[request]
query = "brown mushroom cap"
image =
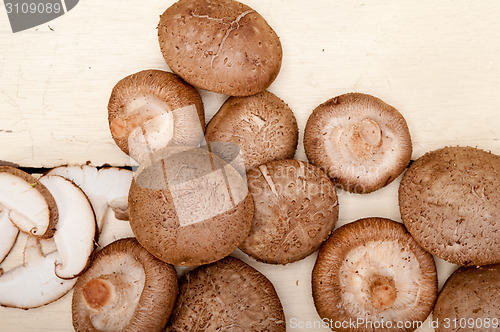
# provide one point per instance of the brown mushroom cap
(189, 207)
(470, 299)
(373, 269)
(142, 96)
(125, 289)
(263, 126)
(228, 295)
(53, 216)
(361, 142)
(448, 200)
(220, 45)
(295, 210)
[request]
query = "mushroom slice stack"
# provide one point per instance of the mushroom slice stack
(19, 190)
(105, 188)
(76, 229)
(359, 140)
(8, 234)
(372, 269)
(34, 283)
(125, 289)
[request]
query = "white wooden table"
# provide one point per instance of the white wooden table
(437, 62)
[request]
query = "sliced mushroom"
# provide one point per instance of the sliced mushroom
(151, 109)
(372, 269)
(8, 234)
(361, 142)
(31, 207)
(34, 283)
(105, 188)
(125, 289)
(76, 229)
(228, 295)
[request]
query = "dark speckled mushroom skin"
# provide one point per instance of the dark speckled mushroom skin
(220, 45)
(470, 293)
(296, 209)
(263, 126)
(449, 201)
(228, 295)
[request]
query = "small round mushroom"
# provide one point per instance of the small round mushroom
(374, 270)
(263, 126)
(220, 45)
(125, 289)
(470, 300)
(228, 295)
(31, 207)
(296, 209)
(189, 207)
(151, 109)
(361, 142)
(448, 200)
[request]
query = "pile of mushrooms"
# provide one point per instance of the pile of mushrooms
(56, 215)
(190, 203)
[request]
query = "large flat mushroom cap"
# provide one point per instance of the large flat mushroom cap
(374, 270)
(154, 100)
(361, 142)
(262, 125)
(189, 207)
(296, 209)
(226, 295)
(470, 293)
(448, 200)
(125, 289)
(220, 45)
(31, 206)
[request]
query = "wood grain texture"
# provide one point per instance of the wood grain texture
(436, 62)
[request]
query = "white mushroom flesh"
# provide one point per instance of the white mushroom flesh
(76, 228)
(35, 283)
(380, 280)
(112, 298)
(29, 210)
(102, 187)
(8, 233)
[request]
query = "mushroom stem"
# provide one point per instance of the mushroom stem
(98, 292)
(369, 131)
(382, 291)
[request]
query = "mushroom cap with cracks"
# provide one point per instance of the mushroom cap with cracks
(76, 229)
(361, 142)
(152, 109)
(31, 207)
(125, 289)
(296, 209)
(228, 295)
(472, 293)
(105, 188)
(373, 269)
(262, 125)
(220, 45)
